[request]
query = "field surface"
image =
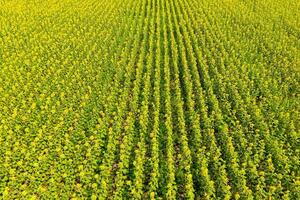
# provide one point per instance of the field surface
(149, 99)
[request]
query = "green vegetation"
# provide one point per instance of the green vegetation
(149, 99)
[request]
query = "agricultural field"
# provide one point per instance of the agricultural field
(149, 99)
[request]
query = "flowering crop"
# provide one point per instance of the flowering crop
(149, 99)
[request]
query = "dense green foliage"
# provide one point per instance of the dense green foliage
(149, 99)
